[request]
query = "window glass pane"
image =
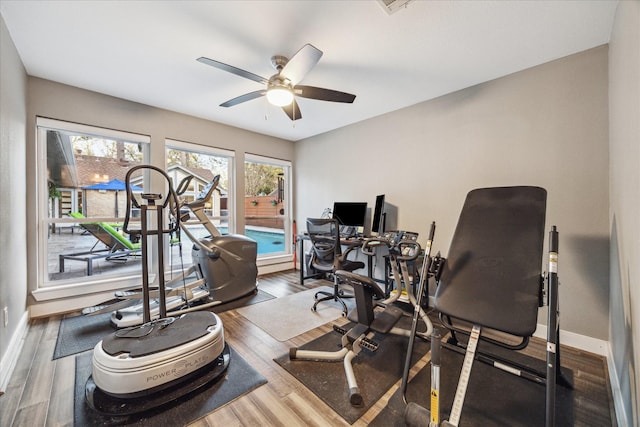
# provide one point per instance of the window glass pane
(266, 204)
(85, 204)
(184, 160)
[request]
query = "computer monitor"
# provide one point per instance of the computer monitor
(351, 214)
(378, 216)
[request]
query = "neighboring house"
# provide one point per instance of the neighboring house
(89, 170)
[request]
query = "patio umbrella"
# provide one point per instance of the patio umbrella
(113, 185)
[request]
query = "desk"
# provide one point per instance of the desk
(349, 242)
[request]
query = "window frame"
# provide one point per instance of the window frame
(278, 257)
(51, 289)
(212, 151)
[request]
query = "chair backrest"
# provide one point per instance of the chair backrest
(106, 234)
(325, 240)
(123, 241)
(492, 275)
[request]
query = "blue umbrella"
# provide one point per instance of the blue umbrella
(113, 185)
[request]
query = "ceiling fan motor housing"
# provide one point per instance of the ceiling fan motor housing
(279, 61)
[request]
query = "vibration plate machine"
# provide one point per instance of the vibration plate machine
(146, 366)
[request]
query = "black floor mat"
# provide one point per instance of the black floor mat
(82, 333)
(239, 379)
(494, 397)
(375, 372)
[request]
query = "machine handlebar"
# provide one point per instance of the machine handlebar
(402, 244)
(183, 185)
(171, 199)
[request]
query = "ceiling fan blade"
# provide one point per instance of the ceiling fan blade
(301, 63)
(243, 98)
(323, 94)
(292, 110)
(233, 70)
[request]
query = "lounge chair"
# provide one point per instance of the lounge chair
(118, 247)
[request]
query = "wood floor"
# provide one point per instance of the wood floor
(41, 390)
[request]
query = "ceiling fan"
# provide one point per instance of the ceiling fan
(282, 88)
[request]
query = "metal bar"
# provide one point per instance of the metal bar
(552, 329)
(436, 346)
(161, 285)
(416, 310)
(146, 310)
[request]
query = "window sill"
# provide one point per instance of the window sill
(54, 292)
(274, 263)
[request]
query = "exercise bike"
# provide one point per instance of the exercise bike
(223, 268)
(144, 367)
(403, 248)
(369, 320)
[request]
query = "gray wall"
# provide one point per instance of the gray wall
(544, 126)
(624, 140)
(13, 247)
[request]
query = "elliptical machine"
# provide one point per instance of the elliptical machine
(224, 267)
(146, 366)
(226, 262)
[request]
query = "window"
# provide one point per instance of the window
(203, 163)
(82, 201)
(267, 204)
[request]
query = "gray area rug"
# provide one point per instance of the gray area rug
(81, 333)
(239, 379)
(286, 317)
(375, 372)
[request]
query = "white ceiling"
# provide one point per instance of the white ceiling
(145, 51)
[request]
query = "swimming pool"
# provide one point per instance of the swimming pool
(268, 241)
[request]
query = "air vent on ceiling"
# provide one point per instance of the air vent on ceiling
(392, 6)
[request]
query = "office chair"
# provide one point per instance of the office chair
(327, 257)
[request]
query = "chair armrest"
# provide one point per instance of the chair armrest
(350, 247)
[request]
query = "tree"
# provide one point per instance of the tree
(99, 147)
(184, 158)
(260, 179)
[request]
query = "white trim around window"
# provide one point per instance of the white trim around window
(64, 288)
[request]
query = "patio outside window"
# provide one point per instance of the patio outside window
(82, 202)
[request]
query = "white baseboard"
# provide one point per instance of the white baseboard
(11, 356)
(601, 348)
(581, 342)
(623, 419)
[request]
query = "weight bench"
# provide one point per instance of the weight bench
(492, 281)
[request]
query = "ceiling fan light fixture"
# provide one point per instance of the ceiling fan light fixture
(279, 96)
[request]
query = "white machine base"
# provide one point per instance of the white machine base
(130, 371)
(116, 407)
(136, 368)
